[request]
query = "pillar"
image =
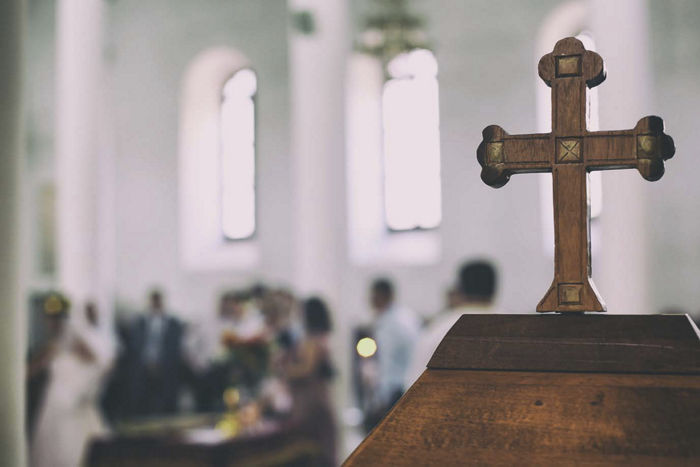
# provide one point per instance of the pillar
(318, 146)
(317, 72)
(78, 69)
(12, 323)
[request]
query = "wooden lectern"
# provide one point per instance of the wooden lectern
(570, 388)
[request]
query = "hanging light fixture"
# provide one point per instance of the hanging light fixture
(390, 30)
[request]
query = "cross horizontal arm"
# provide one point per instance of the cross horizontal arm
(643, 148)
(502, 155)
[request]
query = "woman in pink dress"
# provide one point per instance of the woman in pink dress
(310, 376)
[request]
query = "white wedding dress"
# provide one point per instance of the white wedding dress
(69, 416)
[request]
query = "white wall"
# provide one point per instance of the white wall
(149, 45)
(673, 211)
(486, 71)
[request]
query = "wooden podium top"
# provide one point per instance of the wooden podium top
(550, 390)
(649, 344)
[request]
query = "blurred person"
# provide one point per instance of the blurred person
(309, 375)
(280, 311)
(284, 332)
(241, 318)
(473, 293)
(395, 331)
(78, 355)
(238, 320)
(155, 365)
(115, 397)
(213, 348)
(246, 354)
(53, 309)
(257, 294)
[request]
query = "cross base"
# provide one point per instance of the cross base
(575, 296)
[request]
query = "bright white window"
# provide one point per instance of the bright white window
(237, 130)
(411, 122)
(202, 239)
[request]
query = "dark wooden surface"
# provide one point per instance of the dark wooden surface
(594, 343)
(277, 448)
(569, 152)
(617, 390)
(456, 417)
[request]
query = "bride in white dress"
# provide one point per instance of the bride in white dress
(79, 358)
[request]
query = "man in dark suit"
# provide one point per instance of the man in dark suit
(155, 363)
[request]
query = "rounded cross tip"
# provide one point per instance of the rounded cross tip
(494, 176)
(651, 169)
(654, 147)
(650, 124)
(571, 60)
(492, 173)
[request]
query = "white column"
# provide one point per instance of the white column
(318, 145)
(12, 324)
(620, 29)
(78, 65)
(317, 71)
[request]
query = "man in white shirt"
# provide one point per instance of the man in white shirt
(395, 331)
(474, 293)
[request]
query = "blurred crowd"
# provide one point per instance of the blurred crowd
(263, 355)
(394, 350)
(266, 355)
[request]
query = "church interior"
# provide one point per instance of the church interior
(271, 176)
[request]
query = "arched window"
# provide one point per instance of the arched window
(411, 135)
(216, 160)
(237, 146)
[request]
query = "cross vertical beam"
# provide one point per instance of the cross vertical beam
(568, 74)
(570, 151)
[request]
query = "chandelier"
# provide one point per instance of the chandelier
(391, 29)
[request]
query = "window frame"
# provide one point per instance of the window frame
(254, 100)
(387, 79)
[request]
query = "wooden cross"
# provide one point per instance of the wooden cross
(570, 151)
